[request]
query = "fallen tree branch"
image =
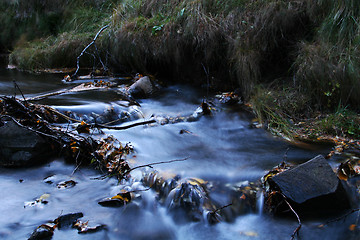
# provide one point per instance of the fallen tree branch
(84, 50)
(122, 127)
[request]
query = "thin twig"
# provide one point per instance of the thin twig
(17, 86)
(220, 208)
(77, 165)
(137, 167)
(341, 217)
(156, 163)
(33, 130)
(296, 231)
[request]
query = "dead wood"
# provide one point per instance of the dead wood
(123, 127)
(84, 50)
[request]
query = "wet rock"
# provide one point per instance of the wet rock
(67, 220)
(112, 202)
(311, 187)
(20, 146)
(43, 232)
(143, 88)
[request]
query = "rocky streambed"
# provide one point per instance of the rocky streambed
(193, 171)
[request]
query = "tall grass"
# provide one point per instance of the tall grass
(328, 66)
(232, 43)
(52, 33)
(311, 46)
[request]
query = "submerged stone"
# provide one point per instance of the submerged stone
(20, 146)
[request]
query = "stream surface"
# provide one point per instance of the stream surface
(221, 148)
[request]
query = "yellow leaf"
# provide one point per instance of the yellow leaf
(249, 234)
(117, 197)
(124, 196)
(44, 196)
(196, 181)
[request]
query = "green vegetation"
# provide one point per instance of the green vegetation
(290, 59)
(51, 33)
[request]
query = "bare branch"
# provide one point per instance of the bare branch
(296, 231)
(123, 127)
(84, 50)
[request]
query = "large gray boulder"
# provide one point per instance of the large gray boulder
(143, 88)
(313, 187)
(20, 147)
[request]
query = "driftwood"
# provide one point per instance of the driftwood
(79, 88)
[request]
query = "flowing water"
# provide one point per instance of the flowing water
(222, 148)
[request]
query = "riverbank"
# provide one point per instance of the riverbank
(294, 61)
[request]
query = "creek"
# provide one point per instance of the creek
(221, 148)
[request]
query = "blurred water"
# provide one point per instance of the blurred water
(220, 148)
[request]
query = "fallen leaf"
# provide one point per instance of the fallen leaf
(352, 227)
(249, 234)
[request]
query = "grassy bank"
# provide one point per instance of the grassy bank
(293, 60)
(50, 33)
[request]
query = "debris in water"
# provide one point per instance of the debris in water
(39, 201)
